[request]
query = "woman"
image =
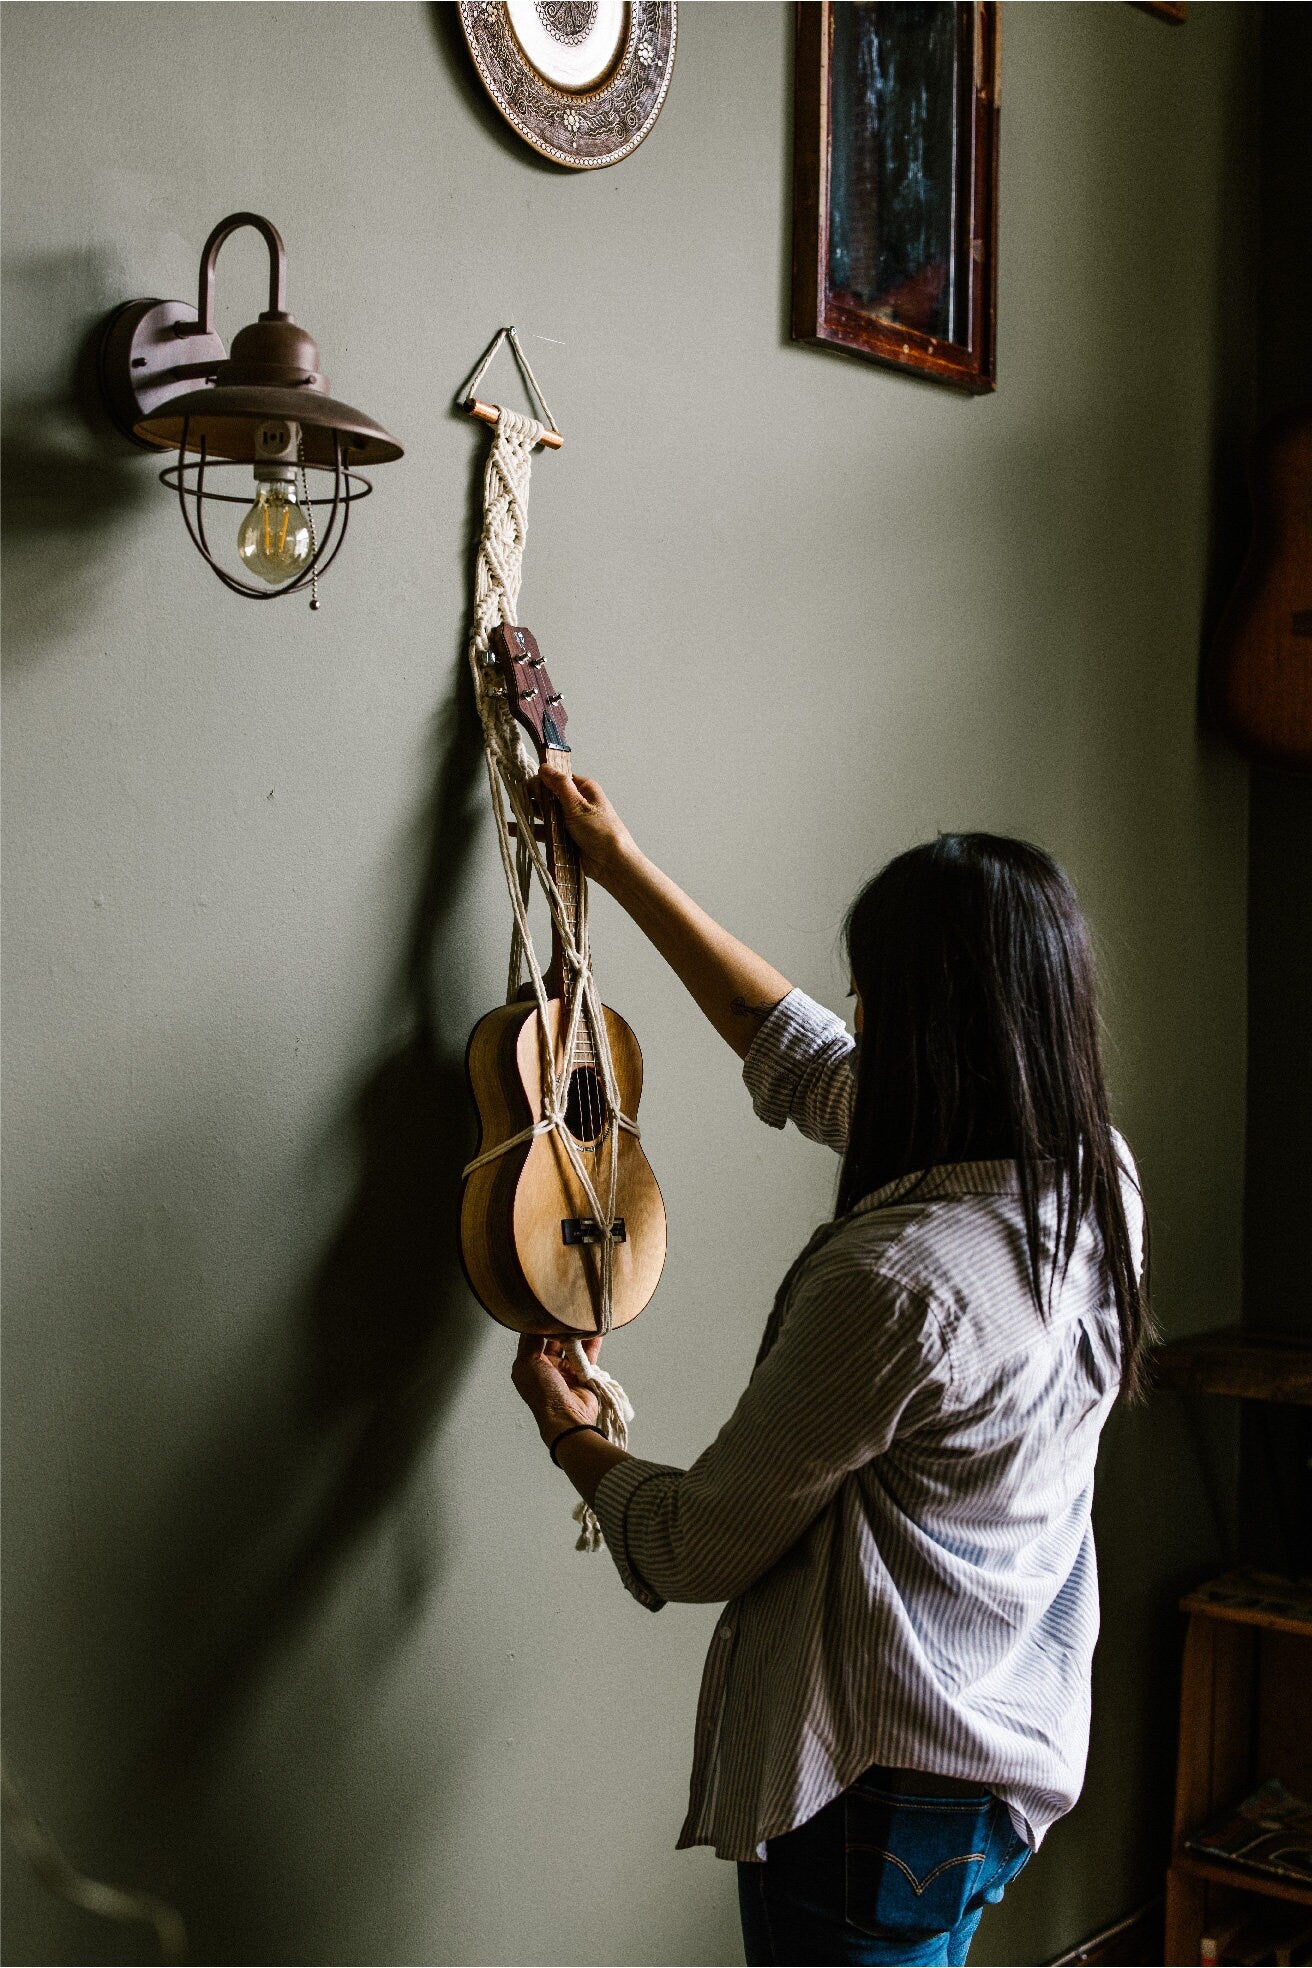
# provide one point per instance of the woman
(896, 1703)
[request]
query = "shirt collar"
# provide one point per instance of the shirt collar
(950, 1179)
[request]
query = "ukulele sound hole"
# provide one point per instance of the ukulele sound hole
(585, 1108)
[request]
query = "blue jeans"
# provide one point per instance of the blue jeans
(880, 1875)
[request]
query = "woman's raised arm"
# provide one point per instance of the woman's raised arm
(735, 988)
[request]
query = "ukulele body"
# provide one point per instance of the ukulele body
(1260, 671)
(525, 1242)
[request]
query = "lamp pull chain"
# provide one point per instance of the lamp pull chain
(309, 514)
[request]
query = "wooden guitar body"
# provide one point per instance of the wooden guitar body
(1260, 666)
(525, 1217)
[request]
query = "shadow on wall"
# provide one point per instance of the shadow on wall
(229, 1562)
(388, 1324)
(232, 1580)
(66, 474)
(450, 42)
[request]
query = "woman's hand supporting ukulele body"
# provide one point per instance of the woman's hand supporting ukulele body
(564, 1411)
(735, 988)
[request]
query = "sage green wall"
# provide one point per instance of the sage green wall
(294, 1628)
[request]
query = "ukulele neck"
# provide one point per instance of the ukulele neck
(563, 860)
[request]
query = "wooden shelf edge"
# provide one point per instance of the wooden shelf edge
(1241, 1880)
(1239, 1361)
(1253, 1598)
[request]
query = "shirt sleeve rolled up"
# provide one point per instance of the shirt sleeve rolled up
(801, 1067)
(852, 1350)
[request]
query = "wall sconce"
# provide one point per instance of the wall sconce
(170, 384)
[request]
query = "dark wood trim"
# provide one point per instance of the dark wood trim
(1251, 1598)
(1237, 1360)
(820, 317)
(1242, 1715)
(810, 173)
(1238, 1880)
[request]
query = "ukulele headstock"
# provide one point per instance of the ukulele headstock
(531, 696)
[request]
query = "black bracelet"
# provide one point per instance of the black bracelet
(578, 1429)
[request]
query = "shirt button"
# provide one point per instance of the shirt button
(723, 1633)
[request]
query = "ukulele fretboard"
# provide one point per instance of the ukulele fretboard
(564, 861)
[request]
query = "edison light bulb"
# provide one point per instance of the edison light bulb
(274, 538)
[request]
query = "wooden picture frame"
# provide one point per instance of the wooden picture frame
(920, 293)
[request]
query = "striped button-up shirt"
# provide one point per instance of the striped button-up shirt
(897, 1511)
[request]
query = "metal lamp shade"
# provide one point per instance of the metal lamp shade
(225, 417)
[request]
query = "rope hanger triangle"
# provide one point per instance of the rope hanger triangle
(488, 413)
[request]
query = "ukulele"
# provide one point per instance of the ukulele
(1260, 665)
(528, 1240)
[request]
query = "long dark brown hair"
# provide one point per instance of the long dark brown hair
(980, 1042)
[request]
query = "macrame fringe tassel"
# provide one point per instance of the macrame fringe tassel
(614, 1413)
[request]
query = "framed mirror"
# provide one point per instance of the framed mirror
(895, 183)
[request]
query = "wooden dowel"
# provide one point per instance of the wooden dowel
(487, 414)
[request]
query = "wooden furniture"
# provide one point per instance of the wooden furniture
(1238, 1360)
(1245, 1715)
(1259, 668)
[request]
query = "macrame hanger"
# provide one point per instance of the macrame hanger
(488, 413)
(510, 773)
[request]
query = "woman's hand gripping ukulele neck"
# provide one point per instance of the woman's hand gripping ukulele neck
(735, 988)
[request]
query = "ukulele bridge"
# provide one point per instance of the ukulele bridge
(587, 1230)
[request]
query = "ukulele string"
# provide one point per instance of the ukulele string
(590, 1102)
(598, 1093)
(506, 771)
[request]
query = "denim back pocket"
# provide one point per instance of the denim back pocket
(913, 1864)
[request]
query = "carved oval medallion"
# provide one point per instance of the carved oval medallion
(582, 81)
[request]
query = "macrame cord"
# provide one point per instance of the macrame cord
(510, 771)
(60, 1876)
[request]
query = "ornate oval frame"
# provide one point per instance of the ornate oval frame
(583, 129)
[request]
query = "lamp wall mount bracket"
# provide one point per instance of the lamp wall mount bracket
(150, 352)
(153, 351)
